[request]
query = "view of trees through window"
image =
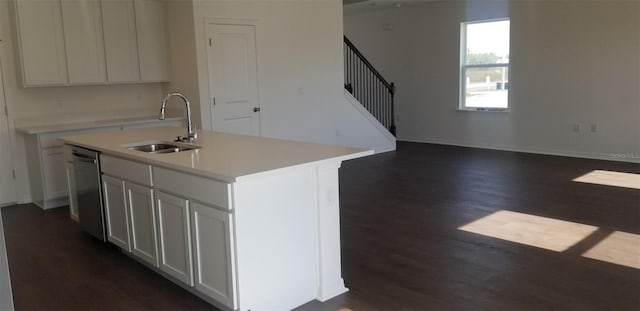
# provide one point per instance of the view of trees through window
(485, 64)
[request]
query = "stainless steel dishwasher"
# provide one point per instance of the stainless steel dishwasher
(86, 165)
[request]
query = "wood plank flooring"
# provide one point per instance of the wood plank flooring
(401, 243)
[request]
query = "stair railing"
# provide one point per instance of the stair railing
(368, 86)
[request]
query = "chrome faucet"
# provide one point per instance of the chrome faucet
(191, 133)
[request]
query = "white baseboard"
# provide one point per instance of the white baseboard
(563, 153)
(385, 149)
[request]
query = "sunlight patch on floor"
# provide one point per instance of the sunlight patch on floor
(542, 232)
(609, 178)
(619, 247)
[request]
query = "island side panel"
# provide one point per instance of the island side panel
(330, 282)
(275, 219)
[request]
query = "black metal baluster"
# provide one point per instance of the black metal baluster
(369, 87)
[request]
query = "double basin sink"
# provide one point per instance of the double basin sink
(161, 147)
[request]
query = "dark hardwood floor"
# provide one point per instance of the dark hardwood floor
(54, 266)
(402, 249)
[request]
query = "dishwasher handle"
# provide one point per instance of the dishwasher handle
(86, 160)
(83, 158)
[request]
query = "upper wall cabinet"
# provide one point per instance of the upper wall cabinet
(83, 41)
(80, 42)
(41, 42)
(151, 25)
(121, 46)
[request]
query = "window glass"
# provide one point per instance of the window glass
(487, 43)
(484, 73)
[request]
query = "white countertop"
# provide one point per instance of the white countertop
(70, 126)
(226, 157)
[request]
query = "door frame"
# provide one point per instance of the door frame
(237, 22)
(10, 127)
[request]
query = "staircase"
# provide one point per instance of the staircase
(368, 86)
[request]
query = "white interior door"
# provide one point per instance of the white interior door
(7, 182)
(233, 79)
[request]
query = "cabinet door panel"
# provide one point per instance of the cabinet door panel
(53, 166)
(174, 237)
(121, 47)
(143, 226)
(212, 236)
(41, 42)
(151, 26)
(83, 39)
(116, 211)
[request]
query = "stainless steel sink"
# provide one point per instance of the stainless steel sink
(161, 147)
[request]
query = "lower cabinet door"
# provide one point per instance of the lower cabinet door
(174, 237)
(53, 173)
(143, 223)
(212, 235)
(116, 211)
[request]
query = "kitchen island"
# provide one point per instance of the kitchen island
(246, 223)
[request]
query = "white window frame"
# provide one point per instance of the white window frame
(463, 66)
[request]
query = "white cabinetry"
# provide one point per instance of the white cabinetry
(143, 222)
(115, 208)
(54, 179)
(79, 42)
(248, 235)
(174, 237)
(46, 162)
(151, 25)
(84, 44)
(129, 206)
(40, 42)
(212, 235)
(121, 47)
(131, 220)
(161, 222)
(211, 238)
(47, 170)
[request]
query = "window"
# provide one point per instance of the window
(484, 65)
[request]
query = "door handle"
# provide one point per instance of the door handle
(256, 109)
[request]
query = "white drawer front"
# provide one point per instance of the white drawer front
(193, 187)
(128, 170)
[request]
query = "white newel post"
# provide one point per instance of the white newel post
(330, 282)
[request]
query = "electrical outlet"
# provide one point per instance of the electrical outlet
(300, 91)
(576, 127)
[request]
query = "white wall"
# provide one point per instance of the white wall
(63, 104)
(571, 62)
(300, 70)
